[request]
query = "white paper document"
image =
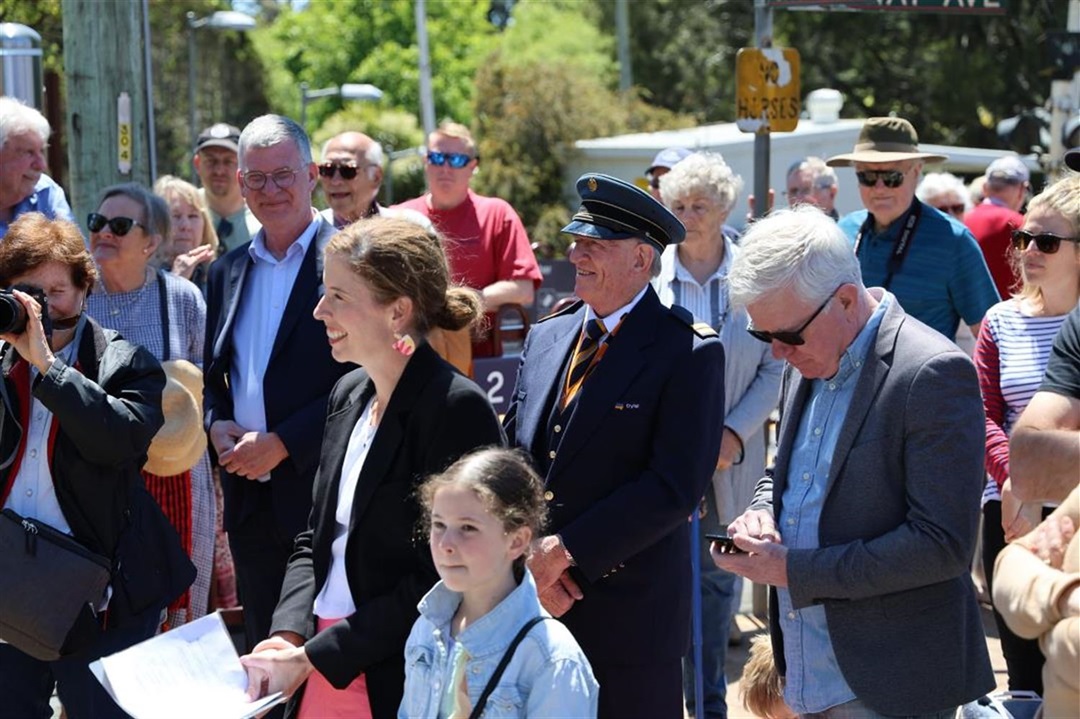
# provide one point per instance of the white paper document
(191, 671)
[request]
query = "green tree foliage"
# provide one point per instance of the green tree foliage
(531, 106)
(954, 77)
(228, 80)
(330, 42)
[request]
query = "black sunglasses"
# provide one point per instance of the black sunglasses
(791, 337)
(891, 178)
(1047, 243)
(457, 160)
(951, 209)
(119, 226)
(348, 172)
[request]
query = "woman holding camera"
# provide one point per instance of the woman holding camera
(80, 407)
(166, 315)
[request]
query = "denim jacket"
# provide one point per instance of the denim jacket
(549, 675)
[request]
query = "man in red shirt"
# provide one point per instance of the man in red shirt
(485, 242)
(993, 220)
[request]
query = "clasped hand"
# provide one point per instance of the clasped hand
(275, 665)
(246, 453)
(550, 564)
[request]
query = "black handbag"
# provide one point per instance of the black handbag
(48, 586)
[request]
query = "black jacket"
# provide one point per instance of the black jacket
(107, 410)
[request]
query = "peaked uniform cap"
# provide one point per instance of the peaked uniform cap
(615, 210)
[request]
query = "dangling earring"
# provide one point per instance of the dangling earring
(404, 344)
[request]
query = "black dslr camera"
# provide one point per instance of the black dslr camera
(13, 314)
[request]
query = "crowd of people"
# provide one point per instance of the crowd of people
(234, 398)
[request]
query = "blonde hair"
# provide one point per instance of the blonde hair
(169, 188)
(1061, 198)
(457, 131)
(761, 688)
(399, 258)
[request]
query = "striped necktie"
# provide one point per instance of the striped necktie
(582, 362)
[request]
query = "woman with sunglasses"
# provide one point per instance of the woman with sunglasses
(946, 193)
(80, 407)
(1011, 354)
(192, 243)
(166, 314)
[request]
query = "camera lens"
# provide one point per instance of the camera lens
(12, 314)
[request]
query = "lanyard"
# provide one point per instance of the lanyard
(903, 244)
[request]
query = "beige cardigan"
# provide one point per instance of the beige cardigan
(1026, 592)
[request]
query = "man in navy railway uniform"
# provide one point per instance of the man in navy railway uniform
(619, 400)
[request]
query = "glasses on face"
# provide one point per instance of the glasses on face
(283, 178)
(891, 178)
(348, 172)
(119, 226)
(951, 209)
(457, 160)
(791, 337)
(1047, 243)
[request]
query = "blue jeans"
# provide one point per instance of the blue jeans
(26, 684)
(855, 709)
(718, 606)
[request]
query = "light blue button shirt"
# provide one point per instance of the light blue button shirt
(266, 292)
(47, 198)
(813, 679)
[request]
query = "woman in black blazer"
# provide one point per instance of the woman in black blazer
(355, 577)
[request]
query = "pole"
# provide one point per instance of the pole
(303, 105)
(151, 139)
(105, 145)
(622, 32)
(193, 119)
(762, 146)
(427, 98)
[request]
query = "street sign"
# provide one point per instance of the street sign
(956, 7)
(767, 97)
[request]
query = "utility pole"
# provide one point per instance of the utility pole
(108, 97)
(427, 98)
(622, 32)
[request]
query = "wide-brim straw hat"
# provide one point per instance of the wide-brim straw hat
(181, 441)
(885, 139)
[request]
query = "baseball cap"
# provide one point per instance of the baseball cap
(1009, 169)
(668, 158)
(219, 135)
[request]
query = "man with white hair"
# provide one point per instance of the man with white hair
(811, 181)
(866, 527)
(24, 186)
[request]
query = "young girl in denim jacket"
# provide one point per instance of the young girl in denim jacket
(484, 511)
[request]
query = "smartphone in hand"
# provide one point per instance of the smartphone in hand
(725, 543)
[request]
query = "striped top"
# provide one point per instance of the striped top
(1010, 356)
(137, 316)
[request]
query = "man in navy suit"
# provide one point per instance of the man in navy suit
(620, 401)
(866, 528)
(269, 370)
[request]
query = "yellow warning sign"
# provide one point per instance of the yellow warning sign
(767, 97)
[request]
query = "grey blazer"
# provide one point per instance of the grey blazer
(898, 525)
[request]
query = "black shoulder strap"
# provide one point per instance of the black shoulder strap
(507, 656)
(163, 298)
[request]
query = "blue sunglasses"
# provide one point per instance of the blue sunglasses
(457, 160)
